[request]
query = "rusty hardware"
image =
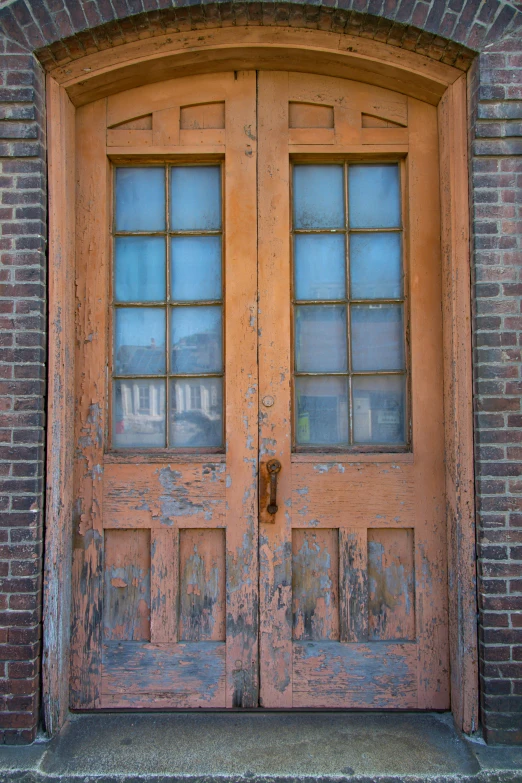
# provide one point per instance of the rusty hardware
(273, 466)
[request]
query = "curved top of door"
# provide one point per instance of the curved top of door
(171, 56)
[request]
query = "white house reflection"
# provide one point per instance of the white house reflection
(195, 416)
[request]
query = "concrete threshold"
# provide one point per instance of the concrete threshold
(301, 747)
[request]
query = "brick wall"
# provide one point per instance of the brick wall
(22, 373)
(497, 224)
(446, 30)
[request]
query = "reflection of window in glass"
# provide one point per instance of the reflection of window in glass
(349, 334)
(195, 397)
(144, 406)
(167, 309)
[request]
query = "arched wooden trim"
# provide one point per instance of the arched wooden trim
(143, 62)
(244, 48)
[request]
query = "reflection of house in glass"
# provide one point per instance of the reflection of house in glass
(139, 412)
(196, 407)
(196, 412)
(140, 359)
(197, 353)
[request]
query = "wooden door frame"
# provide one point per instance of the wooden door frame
(278, 48)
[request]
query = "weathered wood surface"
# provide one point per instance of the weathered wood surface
(202, 583)
(426, 347)
(126, 606)
(60, 411)
(315, 585)
(138, 674)
(92, 286)
(241, 394)
(368, 676)
(332, 494)
(367, 537)
(353, 584)
(164, 585)
(275, 537)
(164, 495)
(180, 536)
(391, 585)
(355, 554)
(458, 393)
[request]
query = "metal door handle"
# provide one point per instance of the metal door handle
(273, 466)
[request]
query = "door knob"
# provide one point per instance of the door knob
(273, 466)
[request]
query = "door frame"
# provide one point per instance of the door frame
(99, 75)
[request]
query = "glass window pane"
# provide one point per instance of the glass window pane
(373, 196)
(196, 411)
(322, 411)
(139, 269)
(379, 409)
(377, 337)
(139, 345)
(196, 340)
(375, 266)
(195, 198)
(318, 196)
(140, 199)
(320, 338)
(319, 266)
(196, 268)
(138, 414)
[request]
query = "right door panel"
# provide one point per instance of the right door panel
(353, 567)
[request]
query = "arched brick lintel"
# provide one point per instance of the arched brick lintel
(449, 32)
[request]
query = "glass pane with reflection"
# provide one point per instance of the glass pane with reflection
(375, 266)
(318, 196)
(196, 268)
(138, 414)
(379, 409)
(140, 199)
(195, 198)
(377, 337)
(139, 269)
(196, 412)
(373, 196)
(319, 266)
(196, 340)
(139, 344)
(322, 411)
(320, 338)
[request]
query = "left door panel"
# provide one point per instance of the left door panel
(164, 567)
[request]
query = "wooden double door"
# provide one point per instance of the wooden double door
(258, 328)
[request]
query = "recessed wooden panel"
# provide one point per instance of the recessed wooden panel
(310, 115)
(131, 133)
(137, 674)
(203, 116)
(378, 676)
(138, 123)
(369, 121)
(315, 584)
(202, 585)
(391, 601)
(127, 585)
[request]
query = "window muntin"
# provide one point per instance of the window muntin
(348, 306)
(167, 366)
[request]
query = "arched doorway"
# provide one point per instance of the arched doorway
(352, 590)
